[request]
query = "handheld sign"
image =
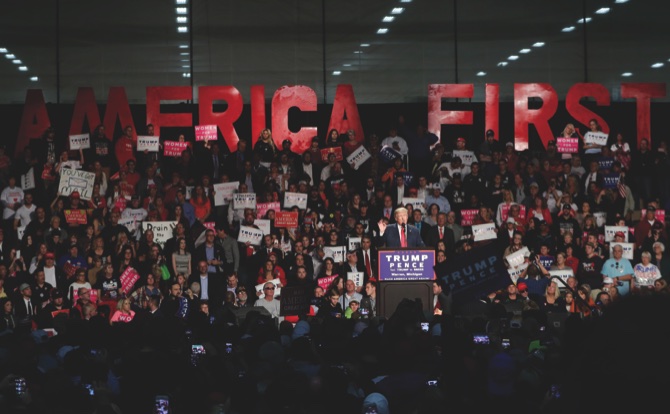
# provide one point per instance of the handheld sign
(295, 199)
(76, 180)
(163, 230)
(75, 216)
(357, 277)
(205, 132)
(354, 243)
(223, 192)
(147, 143)
(597, 138)
(486, 231)
(264, 225)
(610, 231)
(28, 180)
(467, 157)
(128, 279)
(467, 216)
(333, 150)
(286, 219)
(174, 148)
(295, 300)
(263, 208)
(251, 235)
(337, 253)
(244, 200)
(358, 157)
(567, 145)
(81, 141)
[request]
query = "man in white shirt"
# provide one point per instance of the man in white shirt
(350, 294)
(396, 142)
(12, 199)
(268, 301)
(24, 214)
(134, 210)
(50, 273)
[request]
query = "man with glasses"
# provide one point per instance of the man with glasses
(268, 301)
(619, 269)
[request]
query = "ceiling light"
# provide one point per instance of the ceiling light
(17, 61)
(34, 78)
(382, 30)
(502, 64)
(182, 10)
(182, 1)
(388, 19)
(603, 10)
(568, 29)
(346, 65)
(657, 65)
(23, 68)
(184, 53)
(621, 1)
(182, 19)
(513, 57)
(481, 73)
(358, 51)
(397, 10)
(185, 66)
(3, 50)
(365, 44)
(405, 1)
(627, 74)
(538, 44)
(186, 75)
(10, 56)
(337, 72)
(524, 51)
(183, 46)
(182, 29)
(580, 21)
(185, 60)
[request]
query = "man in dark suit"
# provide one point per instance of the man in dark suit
(441, 232)
(367, 257)
(24, 309)
(268, 248)
(399, 234)
(591, 176)
(211, 285)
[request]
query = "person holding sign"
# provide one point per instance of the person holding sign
(592, 149)
(399, 234)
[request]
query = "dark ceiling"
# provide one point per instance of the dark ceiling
(136, 44)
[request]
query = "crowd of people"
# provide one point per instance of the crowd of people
(101, 313)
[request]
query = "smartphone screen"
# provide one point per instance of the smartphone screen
(480, 339)
(229, 348)
(20, 386)
(162, 405)
(89, 388)
(505, 343)
(424, 326)
(197, 349)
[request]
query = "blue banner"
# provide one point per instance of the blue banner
(611, 180)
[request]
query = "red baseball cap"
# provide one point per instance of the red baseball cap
(75, 194)
(522, 286)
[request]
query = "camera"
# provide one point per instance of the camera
(431, 383)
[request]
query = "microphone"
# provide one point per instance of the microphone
(403, 227)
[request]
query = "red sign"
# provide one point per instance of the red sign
(174, 148)
(334, 150)
(324, 282)
(467, 216)
(65, 312)
(262, 208)
(205, 133)
(659, 215)
(567, 145)
(209, 225)
(76, 216)
(128, 279)
(287, 219)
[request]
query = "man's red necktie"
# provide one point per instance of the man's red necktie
(441, 233)
(403, 237)
(367, 264)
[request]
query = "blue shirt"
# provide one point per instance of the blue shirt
(189, 212)
(441, 202)
(209, 252)
(613, 268)
(204, 285)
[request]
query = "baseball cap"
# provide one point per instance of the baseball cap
(49, 256)
(75, 194)
(460, 139)
(619, 234)
(534, 184)
(23, 287)
(567, 207)
(510, 220)
(55, 294)
(509, 144)
(490, 133)
(651, 208)
(522, 286)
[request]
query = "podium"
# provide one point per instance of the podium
(404, 274)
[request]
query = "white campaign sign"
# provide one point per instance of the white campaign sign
(264, 225)
(244, 200)
(163, 230)
(563, 274)
(28, 180)
(517, 258)
(130, 223)
(468, 157)
(358, 157)
(515, 273)
(295, 199)
(337, 253)
(81, 141)
(223, 192)
(486, 231)
(357, 277)
(354, 243)
(76, 180)
(147, 143)
(601, 218)
(417, 203)
(251, 235)
(610, 231)
(598, 138)
(627, 250)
